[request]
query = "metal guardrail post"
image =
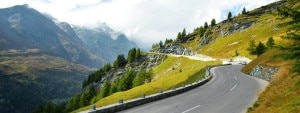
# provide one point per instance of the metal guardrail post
(121, 101)
(143, 96)
(93, 107)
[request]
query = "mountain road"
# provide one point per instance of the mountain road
(230, 91)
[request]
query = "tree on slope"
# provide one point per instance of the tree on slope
(260, 49)
(293, 33)
(120, 61)
(213, 22)
(252, 47)
(205, 25)
(244, 11)
(229, 16)
(270, 43)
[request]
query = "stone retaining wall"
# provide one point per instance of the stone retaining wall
(264, 72)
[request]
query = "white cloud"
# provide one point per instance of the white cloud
(145, 21)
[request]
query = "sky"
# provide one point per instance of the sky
(143, 21)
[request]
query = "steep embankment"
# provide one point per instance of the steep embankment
(283, 93)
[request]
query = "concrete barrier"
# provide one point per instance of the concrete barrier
(146, 99)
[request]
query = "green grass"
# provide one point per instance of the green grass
(172, 72)
(283, 93)
(225, 46)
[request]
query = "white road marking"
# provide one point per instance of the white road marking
(233, 87)
(191, 109)
(235, 77)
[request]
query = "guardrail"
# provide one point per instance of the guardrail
(146, 99)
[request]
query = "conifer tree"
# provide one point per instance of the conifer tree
(138, 53)
(178, 38)
(105, 89)
(205, 25)
(183, 34)
(270, 42)
(229, 16)
(213, 22)
(201, 31)
(131, 55)
(120, 61)
(244, 11)
(260, 49)
(252, 47)
(293, 33)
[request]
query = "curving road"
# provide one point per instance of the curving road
(230, 91)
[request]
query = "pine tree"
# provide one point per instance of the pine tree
(139, 79)
(229, 16)
(107, 67)
(183, 34)
(260, 49)
(131, 55)
(252, 47)
(293, 33)
(213, 22)
(205, 25)
(178, 38)
(270, 42)
(120, 61)
(90, 93)
(126, 80)
(161, 44)
(83, 100)
(244, 11)
(113, 89)
(105, 90)
(138, 53)
(201, 31)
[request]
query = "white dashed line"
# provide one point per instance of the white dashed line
(191, 109)
(233, 87)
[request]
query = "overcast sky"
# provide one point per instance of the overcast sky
(143, 21)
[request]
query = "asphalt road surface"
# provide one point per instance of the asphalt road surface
(230, 91)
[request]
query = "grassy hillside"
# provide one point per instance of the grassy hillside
(261, 31)
(171, 73)
(283, 93)
(229, 36)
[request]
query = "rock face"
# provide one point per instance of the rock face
(264, 72)
(174, 48)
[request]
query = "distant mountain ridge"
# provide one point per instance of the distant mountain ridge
(42, 59)
(25, 28)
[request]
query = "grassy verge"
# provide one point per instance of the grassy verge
(172, 72)
(283, 93)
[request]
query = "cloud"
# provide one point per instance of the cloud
(144, 21)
